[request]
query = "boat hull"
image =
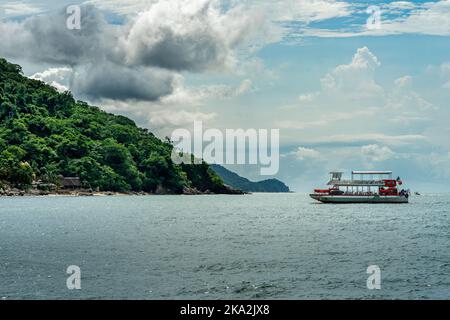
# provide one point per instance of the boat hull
(359, 199)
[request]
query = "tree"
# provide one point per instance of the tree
(22, 174)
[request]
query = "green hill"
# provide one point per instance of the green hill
(235, 181)
(44, 134)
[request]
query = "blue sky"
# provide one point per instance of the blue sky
(343, 96)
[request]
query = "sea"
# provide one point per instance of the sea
(259, 246)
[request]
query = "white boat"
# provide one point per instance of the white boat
(364, 187)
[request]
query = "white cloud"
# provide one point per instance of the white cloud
(225, 91)
(197, 96)
(180, 108)
(377, 153)
(189, 35)
(430, 18)
(59, 78)
(308, 97)
(278, 10)
(142, 59)
(161, 119)
(171, 118)
(18, 8)
(306, 153)
(266, 17)
(445, 69)
(356, 78)
(324, 120)
(349, 91)
(309, 10)
(294, 124)
(403, 82)
(351, 101)
(400, 5)
(122, 6)
(404, 101)
(373, 138)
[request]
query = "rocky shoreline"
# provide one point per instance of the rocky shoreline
(15, 192)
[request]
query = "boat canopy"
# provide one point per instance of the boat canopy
(373, 172)
(361, 178)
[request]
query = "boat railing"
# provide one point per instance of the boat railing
(350, 183)
(360, 193)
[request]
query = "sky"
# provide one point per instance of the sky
(345, 95)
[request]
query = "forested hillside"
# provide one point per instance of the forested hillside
(44, 134)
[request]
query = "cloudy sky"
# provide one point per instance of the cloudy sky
(343, 95)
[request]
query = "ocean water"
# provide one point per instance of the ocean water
(261, 246)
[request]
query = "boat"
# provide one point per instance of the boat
(363, 187)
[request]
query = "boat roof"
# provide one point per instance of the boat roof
(336, 179)
(371, 172)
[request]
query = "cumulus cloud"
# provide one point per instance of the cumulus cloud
(122, 83)
(355, 78)
(348, 92)
(164, 118)
(306, 153)
(122, 6)
(59, 78)
(275, 10)
(350, 100)
(139, 59)
(404, 98)
(46, 39)
(224, 91)
(198, 37)
(179, 108)
(405, 17)
(401, 5)
(18, 8)
(405, 107)
(308, 97)
(184, 95)
(176, 35)
(432, 18)
(377, 153)
(307, 11)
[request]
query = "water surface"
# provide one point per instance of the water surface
(261, 246)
